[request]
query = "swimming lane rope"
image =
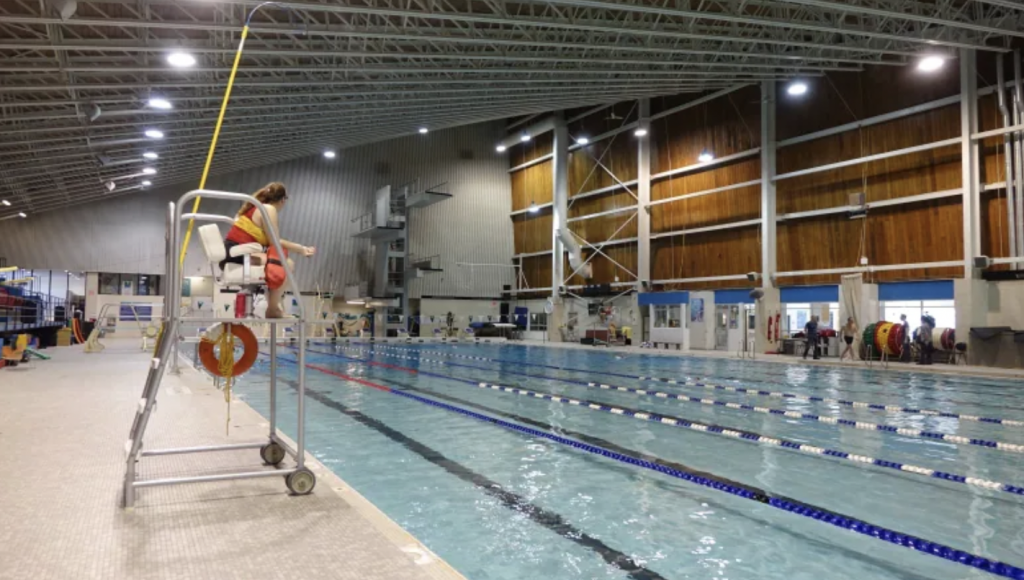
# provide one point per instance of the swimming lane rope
(837, 520)
(863, 425)
(716, 429)
(754, 392)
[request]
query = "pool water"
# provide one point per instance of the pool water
(504, 504)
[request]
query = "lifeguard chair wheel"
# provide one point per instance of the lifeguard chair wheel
(300, 482)
(272, 453)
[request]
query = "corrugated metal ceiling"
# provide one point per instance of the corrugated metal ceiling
(77, 76)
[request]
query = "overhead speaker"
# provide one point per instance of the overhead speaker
(982, 262)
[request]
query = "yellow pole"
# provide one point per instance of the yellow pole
(213, 146)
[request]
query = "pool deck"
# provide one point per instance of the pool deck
(64, 423)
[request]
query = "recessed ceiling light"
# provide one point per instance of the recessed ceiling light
(330, 154)
(160, 103)
(797, 88)
(423, 130)
(500, 148)
(930, 63)
(582, 140)
(5, 202)
(525, 137)
(181, 59)
(640, 132)
(147, 183)
(705, 156)
(22, 214)
(150, 155)
(154, 134)
(149, 171)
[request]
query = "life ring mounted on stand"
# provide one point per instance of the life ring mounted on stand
(211, 360)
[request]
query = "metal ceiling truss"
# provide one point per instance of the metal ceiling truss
(327, 73)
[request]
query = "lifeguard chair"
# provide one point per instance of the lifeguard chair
(249, 280)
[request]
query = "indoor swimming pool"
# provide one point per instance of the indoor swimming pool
(513, 461)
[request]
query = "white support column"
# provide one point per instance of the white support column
(969, 160)
(643, 192)
(768, 211)
(560, 205)
(768, 311)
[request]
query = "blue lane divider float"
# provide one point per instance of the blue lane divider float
(915, 543)
(864, 425)
(728, 432)
(756, 392)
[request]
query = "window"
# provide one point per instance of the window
(110, 283)
(797, 315)
(675, 316)
(942, 310)
(660, 316)
(148, 285)
(130, 284)
(538, 321)
(833, 321)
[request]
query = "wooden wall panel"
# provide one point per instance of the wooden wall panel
(539, 146)
(618, 154)
(839, 98)
(530, 185)
(599, 203)
(600, 229)
(921, 232)
(537, 270)
(719, 253)
(924, 172)
(717, 208)
(724, 126)
(532, 232)
(604, 270)
(708, 210)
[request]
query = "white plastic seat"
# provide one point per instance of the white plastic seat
(233, 274)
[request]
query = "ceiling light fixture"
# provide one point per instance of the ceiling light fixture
(154, 134)
(500, 148)
(705, 156)
(181, 59)
(150, 155)
(931, 63)
(147, 183)
(533, 207)
(160, 103)
(22, 214)
(582, 140)
(525, 137)
(148, 171)
(423, 130)
(330, 154)
(797, 88)
(5, 202)
(640, 132)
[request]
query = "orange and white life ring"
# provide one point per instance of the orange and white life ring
(241, 333)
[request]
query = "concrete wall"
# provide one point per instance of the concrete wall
(125, 234)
